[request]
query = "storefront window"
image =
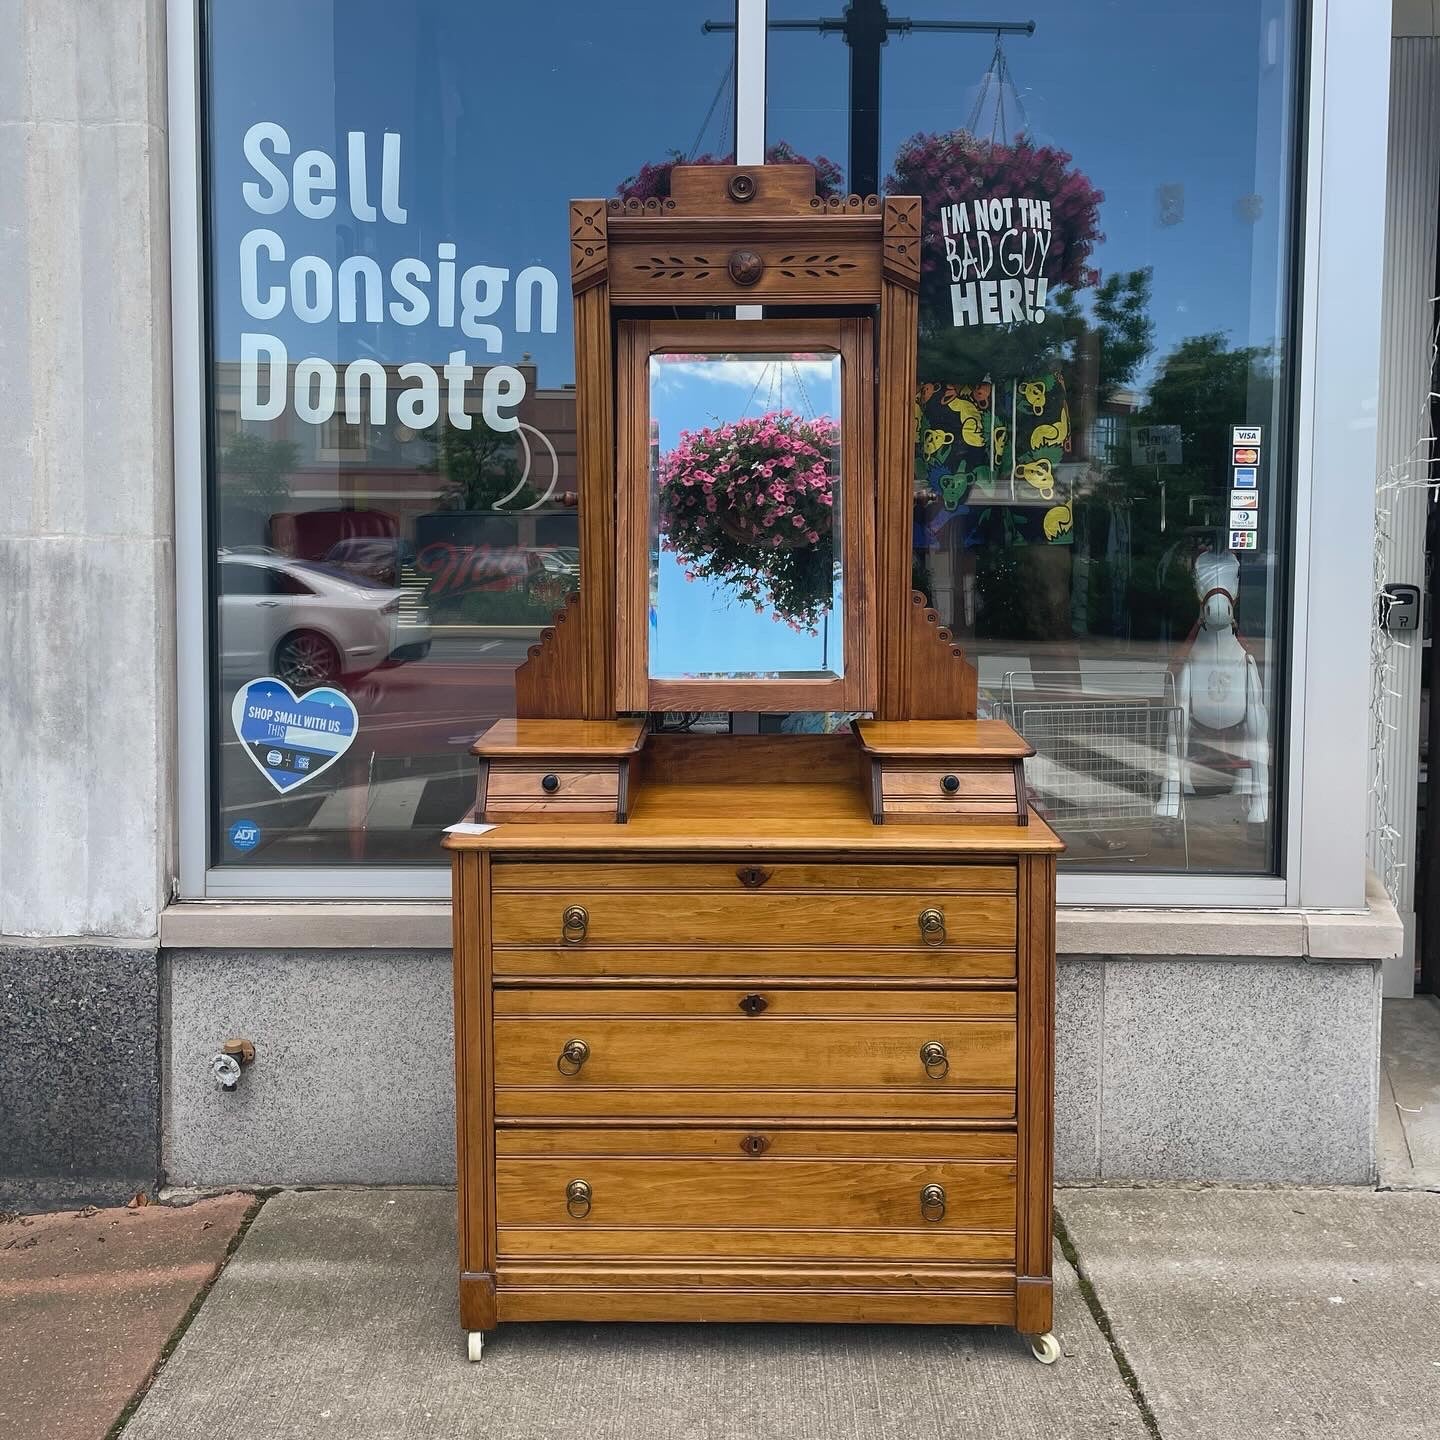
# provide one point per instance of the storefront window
(1103, 361)
(392, 428)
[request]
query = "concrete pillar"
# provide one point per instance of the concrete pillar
(86, 585)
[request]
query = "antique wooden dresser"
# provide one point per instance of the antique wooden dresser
(751, 1026)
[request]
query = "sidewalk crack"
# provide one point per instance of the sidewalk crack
(177, 1334)
(1102, 1323)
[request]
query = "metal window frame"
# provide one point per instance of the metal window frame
(1341, 137)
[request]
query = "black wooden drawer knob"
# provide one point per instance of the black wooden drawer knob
(949, 783)
(550, 784)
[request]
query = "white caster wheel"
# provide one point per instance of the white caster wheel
(474, 1344)
(1045, 1348)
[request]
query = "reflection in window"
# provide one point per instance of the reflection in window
(745, 517)
(1102, 349)
(393, 493)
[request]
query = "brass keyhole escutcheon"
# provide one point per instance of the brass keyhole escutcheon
(550, 783)
(932, 1203)
(754, 1144)
(574, 923)
(935, 1060)
(754, 1004)
(577, 1199)
(949, 783)
(932, 926)
(573, 1054)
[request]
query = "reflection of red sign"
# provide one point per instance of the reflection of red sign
(1246, 455)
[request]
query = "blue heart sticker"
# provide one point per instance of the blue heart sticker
(292, 738)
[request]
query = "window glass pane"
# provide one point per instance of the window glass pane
(393, 489)
(1101, 426)
(745, 513)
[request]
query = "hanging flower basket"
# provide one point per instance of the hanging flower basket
(652, 180)
(751, 504)
(956, 167)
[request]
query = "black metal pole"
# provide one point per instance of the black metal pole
(866, 25)
(866, 30)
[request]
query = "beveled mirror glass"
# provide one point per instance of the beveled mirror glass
(745, 504)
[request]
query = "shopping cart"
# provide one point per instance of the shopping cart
(1103, 738)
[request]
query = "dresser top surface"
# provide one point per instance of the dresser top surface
(826, 819)
(561, 739)
(942, 739)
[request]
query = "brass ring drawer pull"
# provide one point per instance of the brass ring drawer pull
(574, 923)
(932, 1203)
(935, 1060)
(577, 1199)
(932, 926)
(574, 1054)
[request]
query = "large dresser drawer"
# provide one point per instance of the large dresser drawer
(938, 922)
(701, 1053)
(737, 1194)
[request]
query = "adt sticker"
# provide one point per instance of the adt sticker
(244, 834)
(292, 738)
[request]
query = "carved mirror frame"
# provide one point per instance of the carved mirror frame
(743, 235)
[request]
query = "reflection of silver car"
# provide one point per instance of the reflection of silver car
(561, 560)
(309, 624)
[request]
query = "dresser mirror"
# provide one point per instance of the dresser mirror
(743, 517)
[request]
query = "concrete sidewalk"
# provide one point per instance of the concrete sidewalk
(1270, 1313)
(337, 1318)
(1210, 1314)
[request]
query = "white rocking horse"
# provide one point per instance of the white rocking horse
(1220, 698)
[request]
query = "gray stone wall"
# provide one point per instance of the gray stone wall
(86, 491)
(86, 595)
(1167, 1069)
(1236, 1070)
(354, 1075)
(79, 1074)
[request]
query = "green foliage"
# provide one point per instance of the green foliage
(1117, 331)
(479, 466)
(255, 472)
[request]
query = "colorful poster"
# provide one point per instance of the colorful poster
(292, 738)
(996, 250)
(998, 449)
